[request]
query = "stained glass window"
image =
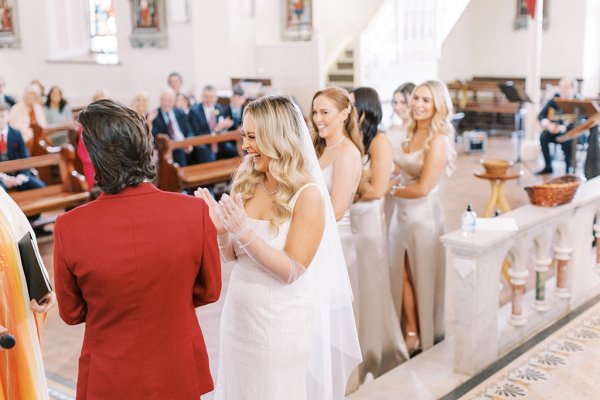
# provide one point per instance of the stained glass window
(103, 31)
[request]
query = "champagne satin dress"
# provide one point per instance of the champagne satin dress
(415, 230)
(381, 340)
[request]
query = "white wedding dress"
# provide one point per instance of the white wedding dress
(266, 328)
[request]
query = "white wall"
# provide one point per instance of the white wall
(224, 39)
(591, 52)
(138, 70)
(484, 42)
(340, 20)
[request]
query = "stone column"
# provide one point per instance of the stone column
(563, 255)
(517, 281)
(541, 268)
(530, 148)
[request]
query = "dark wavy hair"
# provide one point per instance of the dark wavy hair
(406, 90)
(119, 144)
(61, 104)
(369, 112)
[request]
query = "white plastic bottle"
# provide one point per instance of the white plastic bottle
(467, 221)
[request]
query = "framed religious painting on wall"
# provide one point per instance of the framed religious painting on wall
(9, 30)
(149, 23)
(523, 15)
(297, 23)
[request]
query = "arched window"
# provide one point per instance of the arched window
(103, 31)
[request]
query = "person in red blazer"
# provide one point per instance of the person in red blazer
(133, 265)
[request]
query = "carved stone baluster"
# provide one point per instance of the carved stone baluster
(563, 255)
(517, 280)
(541, 268)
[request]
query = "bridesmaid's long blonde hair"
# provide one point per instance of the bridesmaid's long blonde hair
(440, 122)
(278, 136)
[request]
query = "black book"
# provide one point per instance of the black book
(38, 283)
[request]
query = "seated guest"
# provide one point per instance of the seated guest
(41, 89)
(207, 117)
(4, 98)
(551, 119)
(28, 112)
(175, 81)
(235, 109)
(88, 168)
(133, 265)
(100, 94)
(173, 122)
(58, 112)
(183, 102)
(140, 103)
(12, 147)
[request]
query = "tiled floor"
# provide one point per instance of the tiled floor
(62, 343)
(552, 370)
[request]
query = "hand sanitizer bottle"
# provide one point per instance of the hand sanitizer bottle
(467, 222)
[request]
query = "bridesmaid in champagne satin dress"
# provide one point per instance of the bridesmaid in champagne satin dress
(396, 133)
(379, 333)
(338, 146)
(416, 254)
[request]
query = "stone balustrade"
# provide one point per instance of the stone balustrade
(548, 237)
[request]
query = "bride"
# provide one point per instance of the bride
(287, 328)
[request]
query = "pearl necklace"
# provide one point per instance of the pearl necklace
(270, 193)
(335, 144)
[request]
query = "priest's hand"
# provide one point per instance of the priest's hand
(3, 330)
(47, 302)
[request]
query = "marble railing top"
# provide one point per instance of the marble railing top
(529, 218)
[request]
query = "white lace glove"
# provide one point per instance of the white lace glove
(278, 263)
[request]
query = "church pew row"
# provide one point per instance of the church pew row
(174, 178)
(71, 190)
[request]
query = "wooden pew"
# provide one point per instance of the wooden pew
(70, 192)
(173, 178)
(41, 144)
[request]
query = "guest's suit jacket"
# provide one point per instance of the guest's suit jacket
(159, 125)
(237, 122)
(16, 148)
(198, 118)
(133, 266)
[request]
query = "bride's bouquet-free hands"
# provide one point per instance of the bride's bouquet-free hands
(278, 263)
(233, 217)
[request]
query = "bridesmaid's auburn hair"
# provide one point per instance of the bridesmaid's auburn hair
(278, 136)
(341, 99)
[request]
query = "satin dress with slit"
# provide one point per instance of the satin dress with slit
(414, 234)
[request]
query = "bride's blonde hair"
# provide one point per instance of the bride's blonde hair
(440, 122)
(278, 136)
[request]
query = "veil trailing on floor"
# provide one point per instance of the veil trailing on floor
(335, 349)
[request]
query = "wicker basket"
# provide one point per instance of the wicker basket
(496, 167)
(555, 192)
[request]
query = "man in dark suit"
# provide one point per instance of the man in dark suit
(173, 122)
(4, 98)
(133, 264)
(235, 109)
(208, 117)
(551, 119)
(12, 147)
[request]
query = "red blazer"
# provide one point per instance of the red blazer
(133, 266)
